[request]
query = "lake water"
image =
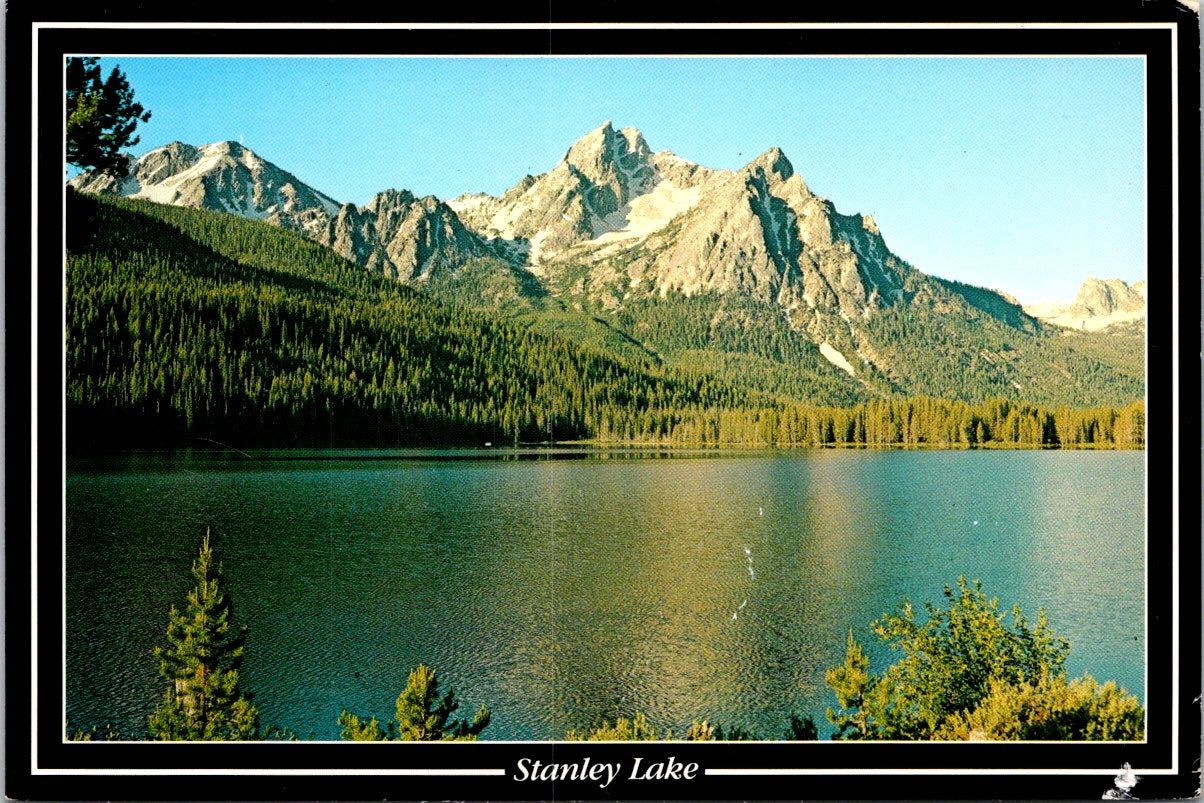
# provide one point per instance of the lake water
(577, 587)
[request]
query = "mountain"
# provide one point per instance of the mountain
(613, 223)
(397, 234)
(187, 327)
(1100, 304)
(587, 194)
(402, 236)
(747, 275)
(755, 277)
(224, 177)
(678, 226)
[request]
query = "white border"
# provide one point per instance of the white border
(1176, 617)
(617, 26)
(1170, 27)
(299, 772)
(33, 407)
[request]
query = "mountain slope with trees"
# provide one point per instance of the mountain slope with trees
(187, 326)
(746, 275)
(184, 323)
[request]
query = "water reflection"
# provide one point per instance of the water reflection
(567, 591)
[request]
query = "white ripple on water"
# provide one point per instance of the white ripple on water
(752, 574)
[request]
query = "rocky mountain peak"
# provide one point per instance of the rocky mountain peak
(236, 152)
(223, 176)
(161, 163)
(620, 161)
(404, 236)
(590, 192)
(227, 146)
(773, 163)
(178, 151)
(1100, 303)
(681, 172)
(1105, 296)
(390, 199)
(635, 141)
(593, 149)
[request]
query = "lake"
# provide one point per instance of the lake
(568, 587)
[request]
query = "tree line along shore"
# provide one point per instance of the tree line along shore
(246, 334)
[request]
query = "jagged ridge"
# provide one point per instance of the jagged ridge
(613, 224)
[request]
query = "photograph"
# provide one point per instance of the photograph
(784, 408)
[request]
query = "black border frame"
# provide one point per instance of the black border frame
(892, 770)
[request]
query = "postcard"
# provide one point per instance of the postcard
(684, 411)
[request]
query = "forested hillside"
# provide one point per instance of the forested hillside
(186, 326)
(746, 277)
(184, 323)
(951, 341)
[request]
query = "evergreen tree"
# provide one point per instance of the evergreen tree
(852, 683)
(968, 672)
(1052, 708)
(101, 117)
(201, 662)
(802, 729)
(355, 730)
(704, 731)
(421, 716)
(637, 729)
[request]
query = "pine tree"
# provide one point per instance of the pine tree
(421, 716)
(1051, 708)
(637, 729)
(852, 683)
(101, 117)
(205, 649)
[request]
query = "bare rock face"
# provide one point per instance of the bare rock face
(1098, 297)
(1100, 303)
(402, 236)
(419, 235)
(352, 235)
(739, 237)
(680, 172)
(762, 232)
(153, 168)
(577, 200)
(163, 163)
(617, 166)
(656, 223)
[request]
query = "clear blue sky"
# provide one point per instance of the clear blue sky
(1024, 175)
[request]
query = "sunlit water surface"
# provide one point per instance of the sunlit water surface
(577, 587)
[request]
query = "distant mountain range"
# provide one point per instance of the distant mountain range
(746, 273)
(1100, 304)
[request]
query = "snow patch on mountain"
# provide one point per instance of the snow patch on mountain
(534, 252)
(835, 357)
(646, 213)
(224, 176)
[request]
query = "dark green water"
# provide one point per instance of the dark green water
(565, 591)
